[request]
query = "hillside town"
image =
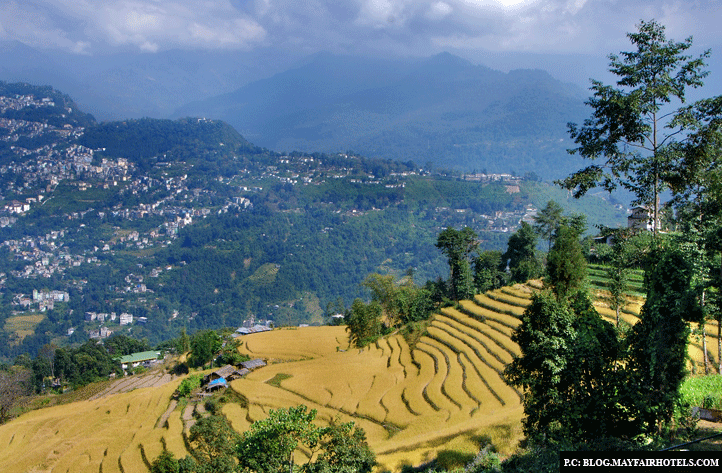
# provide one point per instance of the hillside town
(79, 190)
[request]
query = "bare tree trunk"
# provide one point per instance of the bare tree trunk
(704, 340)
(704, 347)
(617, 317)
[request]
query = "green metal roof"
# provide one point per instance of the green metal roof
(140, 356)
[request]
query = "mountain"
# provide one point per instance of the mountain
(128, 85)
(442, 109)
(185, 223)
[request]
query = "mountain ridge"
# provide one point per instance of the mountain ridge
(443, 109)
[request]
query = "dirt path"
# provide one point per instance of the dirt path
(164, 418)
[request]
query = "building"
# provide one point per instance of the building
(146, 358)
(253, 364)
(642, 219)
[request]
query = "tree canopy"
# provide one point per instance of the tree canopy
(631, 128)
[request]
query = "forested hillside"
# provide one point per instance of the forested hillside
(186, 224)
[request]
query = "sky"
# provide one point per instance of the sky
(370, 27)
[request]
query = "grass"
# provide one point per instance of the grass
(703, 391)
(277, 379)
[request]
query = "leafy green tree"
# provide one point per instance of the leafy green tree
(521, 254)
(401, 301)
(630, 127)
(214, 441)
(15, 383)
(487, 272)
(618, 273)
(458, 246)
(269, 445)
(696, 182)
(547, 221)
(342, 449)
(591, 378)
(189, 384)
(658, 342)
(119, 344)
(566, 265)
(164, 463)
(204, 347)
(363, 322)
(567, 371)
(184, 342)
(546, 338)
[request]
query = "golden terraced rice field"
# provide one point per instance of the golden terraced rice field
(440, 397)
(115, 433)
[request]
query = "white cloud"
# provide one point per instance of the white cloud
(439, 10)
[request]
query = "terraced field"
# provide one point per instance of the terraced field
(440, 397)
(117, 433)
(443, 395)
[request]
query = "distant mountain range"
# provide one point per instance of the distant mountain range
(441, 110)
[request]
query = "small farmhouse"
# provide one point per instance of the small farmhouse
(253, 364)
(146, 358)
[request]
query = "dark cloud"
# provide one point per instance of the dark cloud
(418, 27)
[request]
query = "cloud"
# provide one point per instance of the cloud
(149, 25)
(439, 10)
(418, 27)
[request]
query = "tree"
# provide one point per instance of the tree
(184, 343)
(618, 272)
(545, 338)
(363, 322)
(658, 342)
(214, 444)
(566, 370)
(269, 445)
(547, 221)
(521, 254)
(696, 183)
(401, 301)
(164, 463)
(15, 383)
(458, 245)
(566, 265)
(630, 128)
(342, 449)
(204, 346)
(119, 344)
(487, 272)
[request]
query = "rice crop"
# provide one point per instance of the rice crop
(510, 299)
(474, 309)
(95, 435)
(496, 306)
(412, 403)
(295, 344)
(22, 325)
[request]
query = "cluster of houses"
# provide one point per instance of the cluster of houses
(219, 378)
